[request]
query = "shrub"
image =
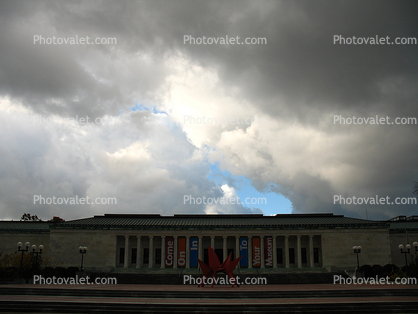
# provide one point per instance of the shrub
(367, 270)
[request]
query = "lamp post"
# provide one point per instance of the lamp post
(41, 247)
(357, 250)
(415, 244)
(83, 250)
(407, 251)
(19, 248)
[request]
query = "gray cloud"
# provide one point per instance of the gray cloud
(298, 81)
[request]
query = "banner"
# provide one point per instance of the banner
(268, 251)
(256, 252)
(243, 247)
(181, 259)
(193, 251)
(169, 252)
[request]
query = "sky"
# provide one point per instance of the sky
(165, 114)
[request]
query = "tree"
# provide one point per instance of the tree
(56, 219)
(29, 217)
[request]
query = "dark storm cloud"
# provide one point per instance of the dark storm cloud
(300, 79)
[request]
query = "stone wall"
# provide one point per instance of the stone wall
(402, 238)
(9, 240)
(101, 248)
(337, 247)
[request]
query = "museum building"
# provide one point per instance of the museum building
(140, 242)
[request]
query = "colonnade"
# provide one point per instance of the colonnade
(244, 245)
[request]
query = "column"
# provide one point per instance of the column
(187, 252)
(299, 251)
(126, 257)
(225, 248)
(274, 252)
(262, 252)
(138, 252)
(250, 252)
(151, 252)
(175, 252)
(311, 259)
(162, 251)
(212, 242)
(237, 252)
(286, 251)
(200, 251)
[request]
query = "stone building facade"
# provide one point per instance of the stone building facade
(135, 243)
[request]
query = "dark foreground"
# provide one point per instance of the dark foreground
(320, 298)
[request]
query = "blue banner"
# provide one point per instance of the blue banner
(243, 247)
(193, 251)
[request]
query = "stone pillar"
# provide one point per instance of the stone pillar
(225, 247)
(212, 242)
(162, 251)
(200, 251)
(286, 251)
(250, 252)
(311, 255)
(274, 252)
(187, 252)
(262, 252)
(175, 252)
(237, 252)
(126, 256)
(151, 252)
(299, 251)
(138, 252)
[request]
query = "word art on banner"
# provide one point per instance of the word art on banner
(256, 252)
(268, 251)
(181, 252)
(243, 247)
(193, 251)
(169, 252)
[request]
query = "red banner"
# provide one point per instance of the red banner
(268, 251)
(169, 252)
(181, 260)
(256, 252)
